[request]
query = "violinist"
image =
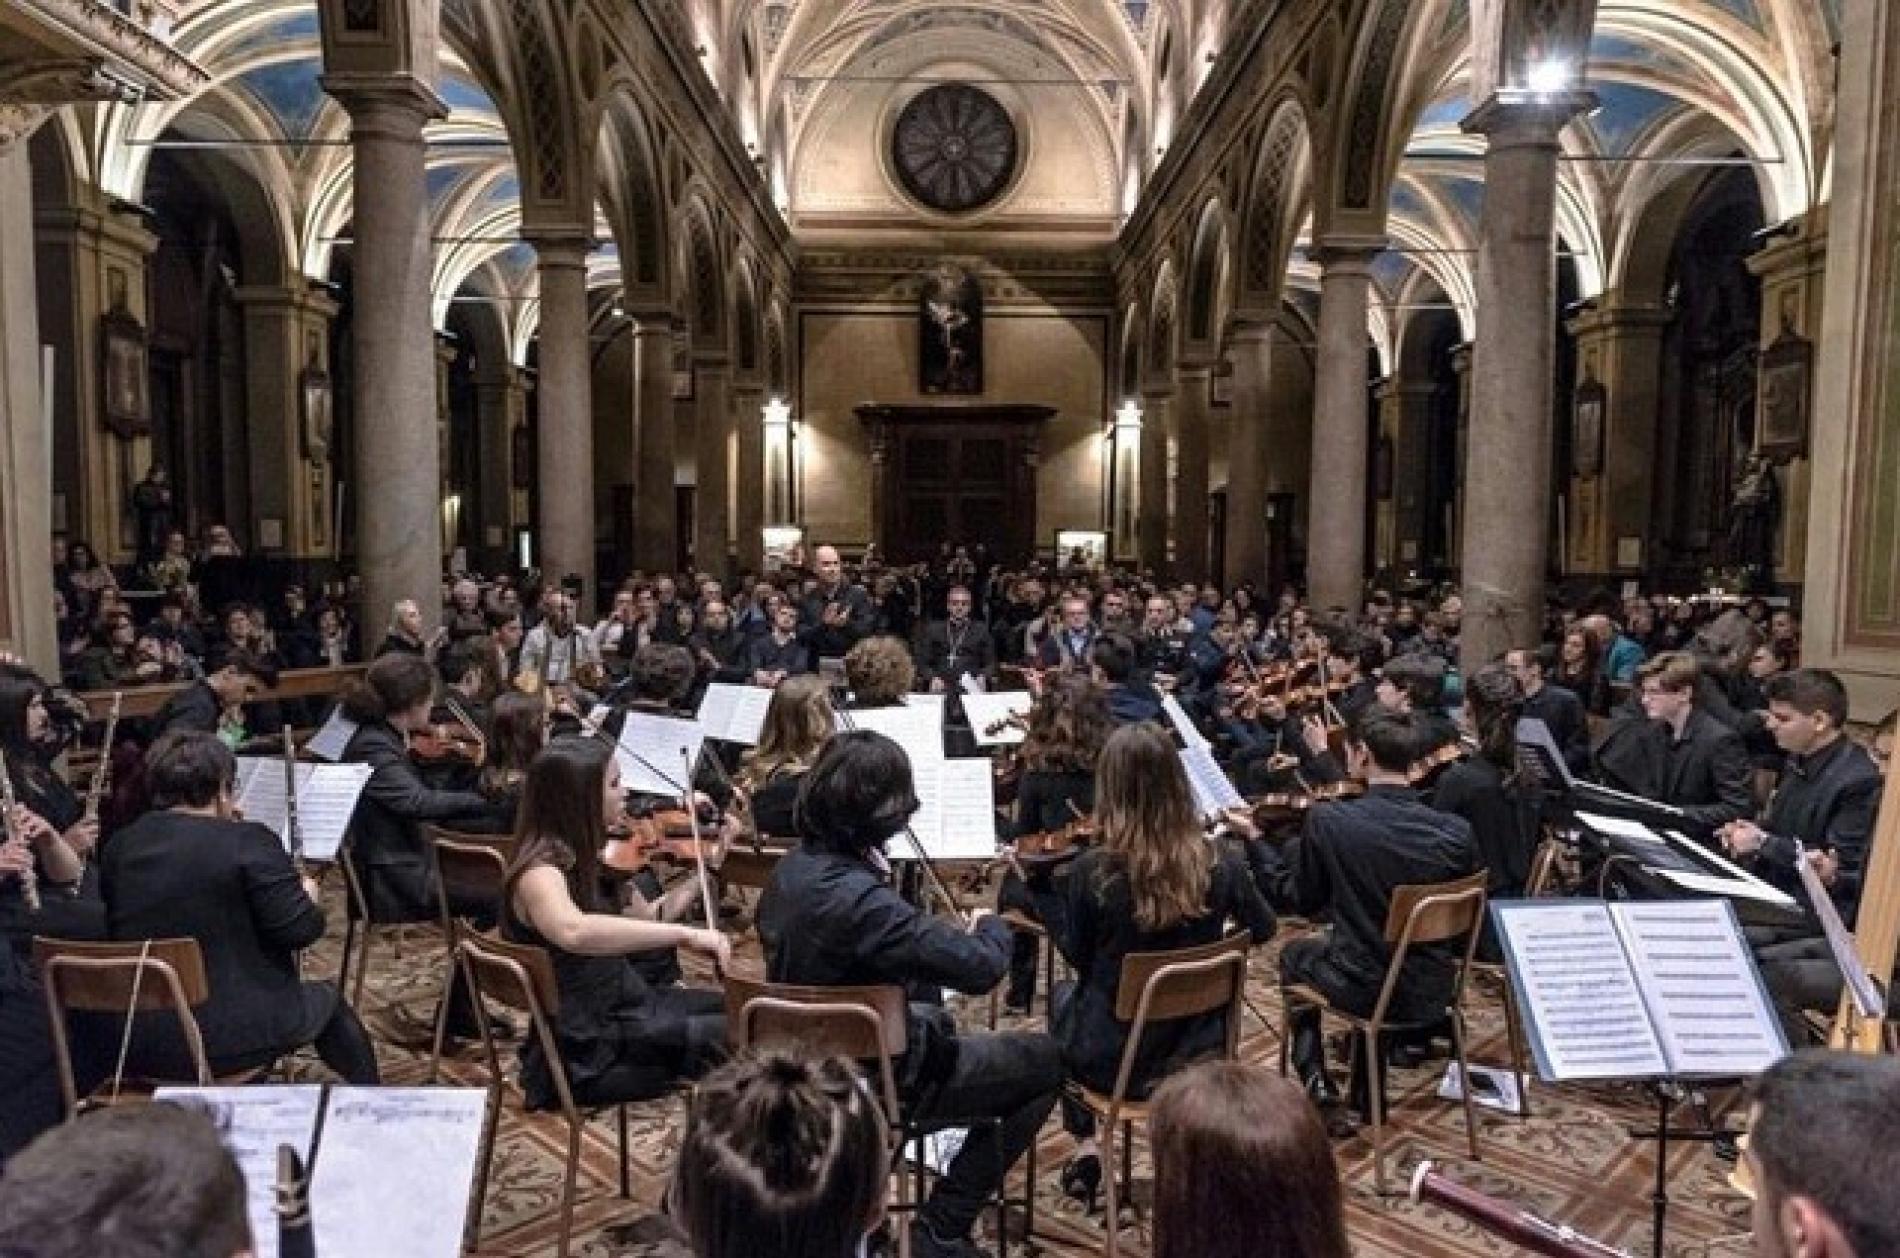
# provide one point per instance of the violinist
(879, 673)
(1416, 684)
(1152, 882)
(518, 729)
(830, 918)
(1349, 858)
(1068, 727)
(1485, 788)
(797, 722)
(621, 1036)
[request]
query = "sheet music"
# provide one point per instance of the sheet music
(916, 727)
(1212, 789)
(733, 713)
(956, 817)
(1700, 985)
(971, 685)
(1582, 1010)
(653, 752)
(395, 1170)
(332, 739)
(1869, 1002)
(1715, 884)
(253, 1121)
(1619, 827)
(1765, 892)
(1178, 717)
(326, 800)
(985, 710)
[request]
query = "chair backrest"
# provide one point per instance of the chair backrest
(1433, 912)
(468, 867)
(862, 1023)
(1182, 983)
(517, 975)
(746, 867)
(109, 977)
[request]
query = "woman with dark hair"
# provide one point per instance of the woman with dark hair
(1151, 883)
(621, 1037)
(50, 826)
(192, 868)
(1068, 727)
(517, 731)
(830, 918)
(781, 1156)
(87, 577)
(1580, 670)
(797, 723)
(1485, 789)
(1243, 1168)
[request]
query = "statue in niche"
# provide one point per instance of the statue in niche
(950, 331)
(1754, 511)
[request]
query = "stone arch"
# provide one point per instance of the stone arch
(1374, 113)
(1209, 271)
(1161, 327)
(747, 330)
(701, 280)
(1282, 171)
(630, 179)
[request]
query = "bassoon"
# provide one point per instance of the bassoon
(1530, 1232)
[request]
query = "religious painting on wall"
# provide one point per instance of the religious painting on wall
(313, 388)
(682, 365)
(1082, 548)
(1787, 380)
(950, 333)
(128, 409)
(1586, 429)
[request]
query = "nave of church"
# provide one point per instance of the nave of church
(1297, 377)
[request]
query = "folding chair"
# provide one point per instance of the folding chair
(468, 867)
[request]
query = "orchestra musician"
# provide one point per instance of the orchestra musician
(778, 653)
(518, 729)
(50, 833)
(1485, 788)
(1675, 752)
(1068, 727)
(1560, 710)
(837, 614)
(955, 646)
(1827, 801)
(192, 868)
(1070, 644)
(1115, 664)
(797, 722)
(621, 1036)
(1349, 858)
(213, 704)
(1823, 1158)
(878, 672)
(1151, 882)
(830, 917)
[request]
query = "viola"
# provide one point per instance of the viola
(1055, 847)
(440, 743)
(1012, 720)
(1423, 769)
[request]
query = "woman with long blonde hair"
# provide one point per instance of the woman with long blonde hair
(797, 723)
(1152, 882)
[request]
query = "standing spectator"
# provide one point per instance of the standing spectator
(87, 578)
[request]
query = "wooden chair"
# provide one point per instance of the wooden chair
(123, 979)
(522, 978)
(467, 866)
(748, 868)
(1425, 913)
(1161, 987)
(360, 929)
(865, 1024)
(1022, 924)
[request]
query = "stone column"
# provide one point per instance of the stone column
(565, 446)
(1151, 508)
(1507, 467)
(1247, 455)
(712, 495)
(26, 453)
(1619, 348)
(1336, 529)
(1455, 528)
(1408, 413)
(286, 333)
(655, 516)
(1192, 401)
(398, 487)
(748, 486)
(501, 406)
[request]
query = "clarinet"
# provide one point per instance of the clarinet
(296, 1238)
(29, 879)
(102, 774)
(1520, 1227)
(293, 834)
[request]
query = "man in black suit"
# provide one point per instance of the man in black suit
(1347, 862)
(1827, 803)
(956, 645)
(838, 614)
(1559, 709)
(1677, 753)
(201, 706)
(192, 869)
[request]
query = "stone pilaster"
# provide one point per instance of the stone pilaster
(1247, 455)
(1793, 272)
(26, 456)
(656, 518)
(288, 437)
(501, 408)
(565, 444)
(1151, 507)
(748, 486)
(1192, 454)
(1336, 545)
(1406, 413)
(712, 495)
(1619, 349)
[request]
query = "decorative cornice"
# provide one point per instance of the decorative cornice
(135, 60)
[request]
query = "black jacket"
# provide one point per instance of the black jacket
(196, 707)
(1562, 712)
(768, 654)
(828, 920)
(231, 886)
(386, 834)
(828, 641)
(1090, 916)
(729, 651)
(1828, 799)
(946, 655)
(1504, 820)
(1706, 772)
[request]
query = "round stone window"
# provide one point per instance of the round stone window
(954, 148)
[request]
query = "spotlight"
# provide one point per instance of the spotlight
(1549, 76)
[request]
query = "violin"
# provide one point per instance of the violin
(1011, 720)
(1048, 848)
(1423, 769)
(1280, 809)
(442, 742)
(636, 842)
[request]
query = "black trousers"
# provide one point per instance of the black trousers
(1308, 962)
(1013, 1078)
(1801, 976)
(335, 1032)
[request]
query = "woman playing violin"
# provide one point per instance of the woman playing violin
(1153, 881)
(797, 723)
(1068, 728)
(620, 1036)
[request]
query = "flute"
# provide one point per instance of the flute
(29, 879)
(1520, 1227)
(102, 773)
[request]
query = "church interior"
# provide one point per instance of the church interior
(1534, 306)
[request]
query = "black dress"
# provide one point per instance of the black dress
(1043, 803)
(65, 912)
(621, 1038)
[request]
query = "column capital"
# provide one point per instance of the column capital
(560, 247)
(293, 296)
(1515, 117)
(1609, 320)
(1346, 255)
(394, 105)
